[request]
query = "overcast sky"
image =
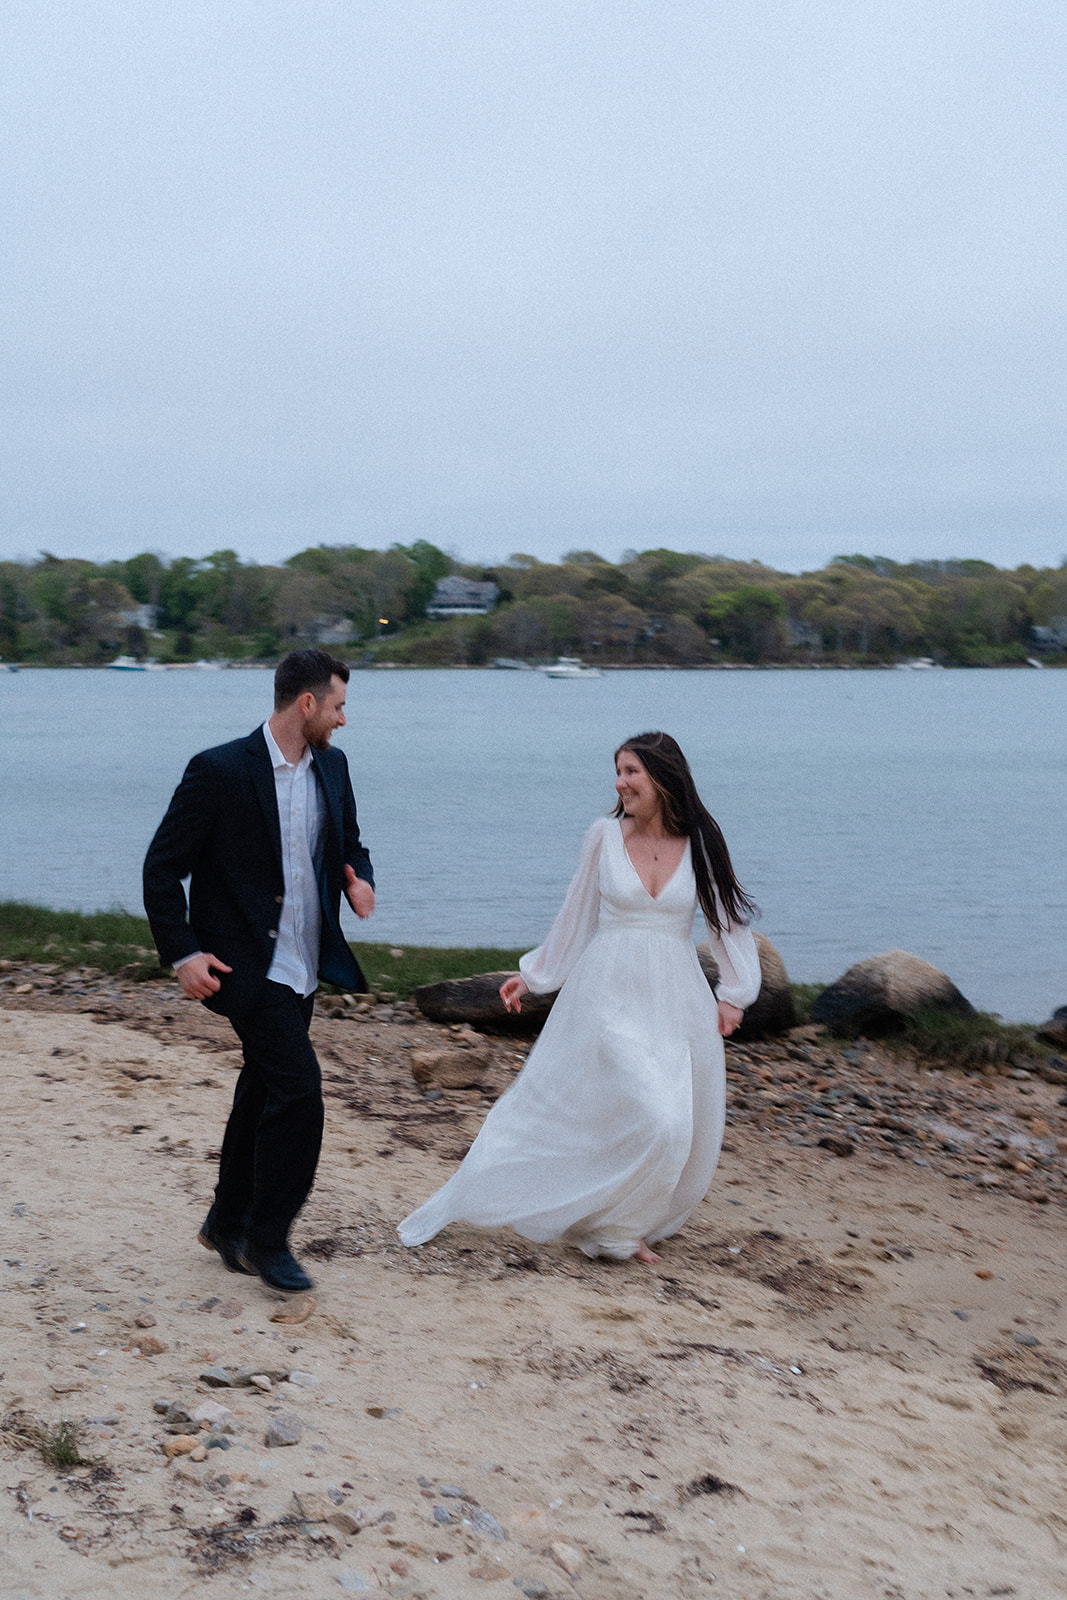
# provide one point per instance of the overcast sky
(777, 279)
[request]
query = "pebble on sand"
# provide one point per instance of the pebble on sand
(286, 1429)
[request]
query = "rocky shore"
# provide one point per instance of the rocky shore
(847, 1378)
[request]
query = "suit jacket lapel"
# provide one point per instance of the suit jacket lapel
(330, 794)
(262, 775)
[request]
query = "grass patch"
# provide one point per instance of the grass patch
(804, 997)
(978, 1040)
(58, 1444)
(418, 964)
(106, 940)
(115, 941)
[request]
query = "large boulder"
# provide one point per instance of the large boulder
(772, 1011)
(877, 996)
(1054, 1031)
(477, 1001)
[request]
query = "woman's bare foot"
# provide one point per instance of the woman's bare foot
(643, 1253)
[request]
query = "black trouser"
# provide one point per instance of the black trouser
(272, 1141)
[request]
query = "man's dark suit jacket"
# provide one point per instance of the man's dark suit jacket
(222, 829)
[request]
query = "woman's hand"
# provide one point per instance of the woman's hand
(512, 991)
(730, 1017)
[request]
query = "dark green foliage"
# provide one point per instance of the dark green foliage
(653, 606)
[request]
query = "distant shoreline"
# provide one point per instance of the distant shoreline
(602, 666)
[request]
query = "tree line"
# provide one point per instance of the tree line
(653, 606)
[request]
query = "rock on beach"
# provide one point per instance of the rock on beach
(878, 995)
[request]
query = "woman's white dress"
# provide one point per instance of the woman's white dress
(612, 1130)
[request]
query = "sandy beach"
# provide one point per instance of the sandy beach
(847, 1377)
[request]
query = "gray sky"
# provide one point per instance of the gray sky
(778, 279)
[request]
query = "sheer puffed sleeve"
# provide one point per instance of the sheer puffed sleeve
(734, 948)
(546, 968)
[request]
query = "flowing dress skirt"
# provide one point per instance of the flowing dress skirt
(612, 1131)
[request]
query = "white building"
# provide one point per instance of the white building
(462, 597)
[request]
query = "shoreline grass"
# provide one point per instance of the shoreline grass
(119, 943)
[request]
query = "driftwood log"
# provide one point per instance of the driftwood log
(477, 1000)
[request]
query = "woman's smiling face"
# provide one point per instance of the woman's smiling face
(634, 787)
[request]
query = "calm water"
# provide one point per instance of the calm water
(864, 810)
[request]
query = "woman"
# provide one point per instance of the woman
(609, 1137)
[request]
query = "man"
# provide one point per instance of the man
(266, 829)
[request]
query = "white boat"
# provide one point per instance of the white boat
(570, 667)
(1032, 661)
(511, 664)
(919, 664)
(131, 664)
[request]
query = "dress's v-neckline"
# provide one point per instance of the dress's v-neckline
(655, 898)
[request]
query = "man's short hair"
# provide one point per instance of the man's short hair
(303, 670)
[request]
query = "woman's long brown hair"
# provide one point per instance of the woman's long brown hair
(685, 815)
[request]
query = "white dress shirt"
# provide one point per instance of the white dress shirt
(301, 817)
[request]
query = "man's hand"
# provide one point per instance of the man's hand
(359, 893)
(197, 975)
(730, 1017)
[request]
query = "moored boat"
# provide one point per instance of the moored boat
(570, 667)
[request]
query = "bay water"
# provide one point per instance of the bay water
(864, 810)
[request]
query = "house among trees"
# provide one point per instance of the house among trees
(462, 597)
(1052, 638)
(146, 617)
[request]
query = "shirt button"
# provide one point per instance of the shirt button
(278, 899)
(273, 933)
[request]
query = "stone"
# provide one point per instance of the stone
(345, 1522)
(878, 995)
(259, 1380)
(283, 1430)
(230, 1309)
(213, 1415)
(836, 1145)
(144, 1319)
(484, 1523)
(773, 1011)
(215, 1377)
(304, 1380)
(354, 1582)
(292, 1312)
(244, 1375)
(488, 1570)
(199, 1454)
(1054, 1031)
(179, 1444)
(477, 1001)
(567, 1557)
(449, 1069)
(147, 1345)
(312, 1506)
